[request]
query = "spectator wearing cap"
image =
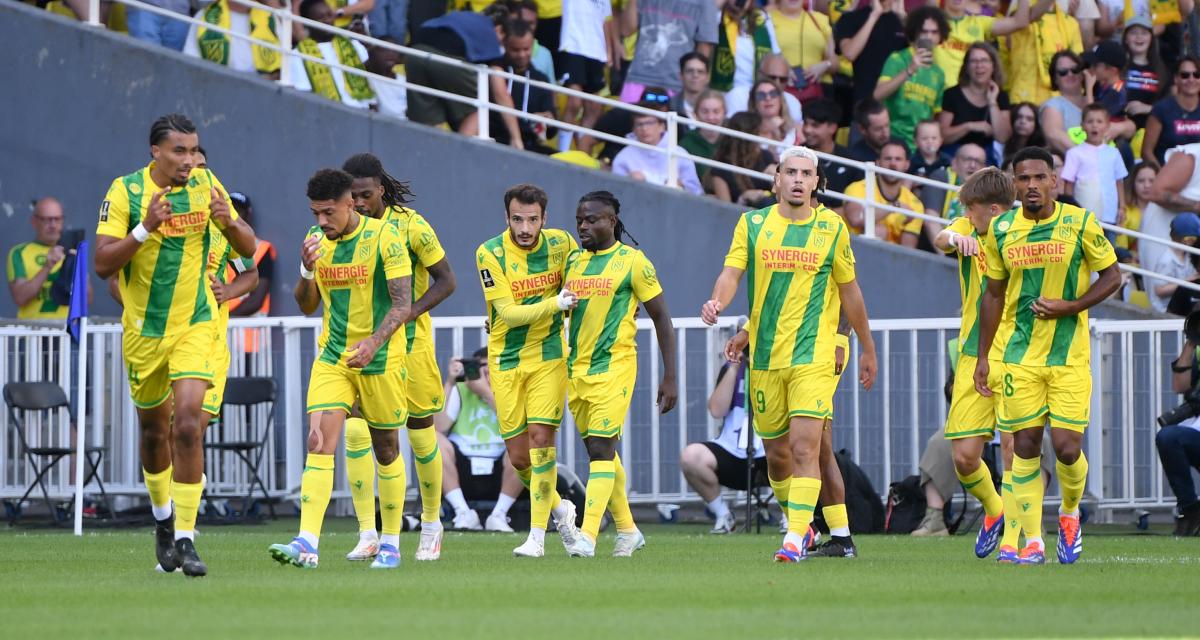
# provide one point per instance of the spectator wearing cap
(1104, 84)
(775, 69)
(1172, 262)
(1146, 77)
(1175, 120)
(256, 303)
(646, 165)
(666, 29)
(619, 123)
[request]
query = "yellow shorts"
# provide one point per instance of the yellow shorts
(839, 342)
(1028, 394)
(529, 393)
(424, 389)
(152, 364)
(778, 395)
(216, 393)
(600, 402)
(972, 415)
(381, 397)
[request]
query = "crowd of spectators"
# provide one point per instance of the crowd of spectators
(935, 89)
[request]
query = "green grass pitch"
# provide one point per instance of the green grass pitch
(684, 584)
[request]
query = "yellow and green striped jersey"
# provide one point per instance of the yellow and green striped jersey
(610, 284)
(424, 251)
(225, 264)
(1051, 258)
(352, 275)
(164, 286)
(525, 277)
(792, 272)
(25, 260)
(971, 273)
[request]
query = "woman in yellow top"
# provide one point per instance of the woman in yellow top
(806, 39)
(1138, 188)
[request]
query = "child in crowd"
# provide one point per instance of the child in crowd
(929, 156)
(1185, 229)
(1138, 187)
(1092, 172)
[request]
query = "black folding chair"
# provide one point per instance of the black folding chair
(246, 394)
(45, 398)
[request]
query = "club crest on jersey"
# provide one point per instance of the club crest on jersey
(498, 252)
(135, 188)
(819, 241)
(363, 252)
(618, 265)
(1064, 232)
(1003, 225)
(104, 211)
(756, 218)
(486, 276)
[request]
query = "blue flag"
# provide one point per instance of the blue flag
(79, 291)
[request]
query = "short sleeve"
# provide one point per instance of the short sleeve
(396, 263)
(738, 256)
(424, 242)
(491, 275)
(962, 226)
(843, 256)
(212, 180)
(453, 404)
(706, 30)
(645, 279)
(991, 255)
(1118, 166)
(1070, 170)
(1097, 250)
(16, 270)
(114, 212)
(893, 67)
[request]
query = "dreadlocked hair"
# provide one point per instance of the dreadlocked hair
(607, 199)
(366, 165)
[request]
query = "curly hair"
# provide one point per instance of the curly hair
(329, 184)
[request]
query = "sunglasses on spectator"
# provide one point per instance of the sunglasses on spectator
(779, 79)
(660, 98)
(1189, 75)
(766, 95)
(1069, 71)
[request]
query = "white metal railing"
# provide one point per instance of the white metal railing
(481, 101)
(885, 428)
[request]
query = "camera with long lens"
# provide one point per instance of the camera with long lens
(1191, 401)
(471, 367)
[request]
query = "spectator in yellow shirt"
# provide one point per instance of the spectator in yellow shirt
(966, 30)
(895, 228)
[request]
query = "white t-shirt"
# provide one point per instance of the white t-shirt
(300, 76)
(1095, 170)
(241, 56)
(393, 98)
(743, 55)
(1169, 264)
(583, 28)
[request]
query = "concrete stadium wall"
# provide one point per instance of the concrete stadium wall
(87, 98)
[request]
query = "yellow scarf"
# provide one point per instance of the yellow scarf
(214, 45)
(320, 76)
(1161, 11)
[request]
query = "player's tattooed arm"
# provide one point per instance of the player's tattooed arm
(400, 291)
(843, 324)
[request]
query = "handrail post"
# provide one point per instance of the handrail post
(869, 196)
(672, 140)
(285, 44)
(93, 17)
(481, 101)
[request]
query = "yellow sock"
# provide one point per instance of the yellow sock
(429, 471)
(836, 519)
(979, 484)
(618, 504)
(543, 482)
(316, 486)
(1072, 478)
(1012, 526)
(526, 475)
(802, 499)
(392, 487)
(1028, 494)
(601, 474)
(186, 497)
(360, 472)
(158, 485)
(781, 489)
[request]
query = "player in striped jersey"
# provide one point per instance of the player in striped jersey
(972, 420)
(358, 268)
(791, 252)
(1034, 319)
(610, 280)
(379, 195)
(156, 226)
(521, 271)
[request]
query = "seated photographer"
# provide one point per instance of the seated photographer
(469, 433)
(1178, 441)
(721, 462)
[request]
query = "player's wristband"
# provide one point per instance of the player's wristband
(952, 236)
(140, 233)
(305, 273)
